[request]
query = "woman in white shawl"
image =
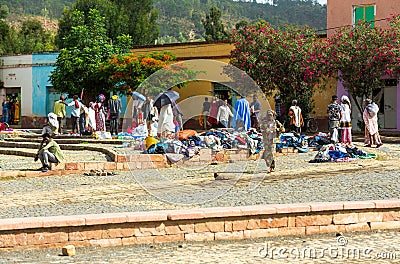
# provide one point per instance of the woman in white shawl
(91, 118)
(345, 121)
(370, 116)
(166, 124)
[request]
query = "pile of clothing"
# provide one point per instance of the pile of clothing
(340, 153)
(190, 142)
(318, 140)
(294, 140)
(4, 126)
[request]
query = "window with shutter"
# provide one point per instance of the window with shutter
(364, 13)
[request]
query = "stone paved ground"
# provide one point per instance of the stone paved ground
(295, 180)
(361, 247)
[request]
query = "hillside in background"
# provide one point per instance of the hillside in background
(180, 20)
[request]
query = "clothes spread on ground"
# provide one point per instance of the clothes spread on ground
(293, 140)
(340, 153)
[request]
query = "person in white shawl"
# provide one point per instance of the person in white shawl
(345, 120)
(166, 124)
(296, 118)
(51, 126)
(91, 118)
(370, 116)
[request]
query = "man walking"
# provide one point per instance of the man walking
(49, 152)
(60, 112)
(335, 114)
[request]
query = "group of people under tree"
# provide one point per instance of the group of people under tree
(218, 113)
(339, 121)
(85, 119)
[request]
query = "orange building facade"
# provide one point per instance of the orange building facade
(347, 12)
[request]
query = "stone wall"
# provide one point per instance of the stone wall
(206, 224)
(129, 162)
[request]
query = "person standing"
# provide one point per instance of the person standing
(334, 114)
(255, 110)
(6, 110)
(370, 117)
(212, 119)
(82, 119)
(60, 112)
(278, 104)
(166, 125)
(224, 113)
(49, 152)
(345, 121)
(206, 112)
(150, 114)
(115, 109)
(178, 115)
(137, 115)
(99, 113)
(268, 129)
(241, 119)
(75, 114)
(296, 117)
(51, 127)
(91, 118)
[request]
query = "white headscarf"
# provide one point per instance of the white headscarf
(345, 99)
(53, 119)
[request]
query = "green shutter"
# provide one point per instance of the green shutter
(370, 14)
(359, 15)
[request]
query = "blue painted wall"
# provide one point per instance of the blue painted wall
(42, 100)
(41, 69)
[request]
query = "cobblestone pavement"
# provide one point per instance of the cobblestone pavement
(294, 181)
(359, 247)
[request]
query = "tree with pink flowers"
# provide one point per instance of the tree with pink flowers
(289, 61)
(363, 55)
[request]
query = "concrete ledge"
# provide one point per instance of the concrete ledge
(125, 162)
(203, 224)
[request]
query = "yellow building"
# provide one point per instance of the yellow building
(220, 51)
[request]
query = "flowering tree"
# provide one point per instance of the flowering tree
(363, 55)
(289, 60)
(127, 72)
(394, 23)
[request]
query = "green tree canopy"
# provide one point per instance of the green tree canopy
(136, 18)
(87, 48)
(33, 37)
(214, 29)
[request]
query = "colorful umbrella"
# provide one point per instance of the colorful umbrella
(165, 98)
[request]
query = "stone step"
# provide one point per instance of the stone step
(70, 155)
(77, 147)
(69, 140)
